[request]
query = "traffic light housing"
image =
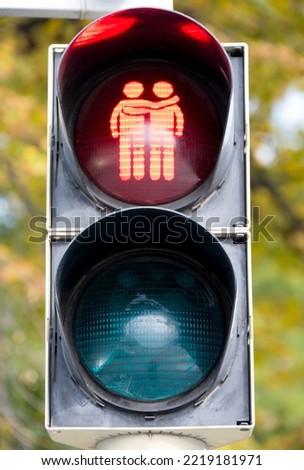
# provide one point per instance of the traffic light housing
(149, 326)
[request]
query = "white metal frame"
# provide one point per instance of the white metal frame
(147, 438)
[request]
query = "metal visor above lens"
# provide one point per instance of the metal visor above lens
(145, 299)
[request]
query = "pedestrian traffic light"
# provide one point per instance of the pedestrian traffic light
(149, 328)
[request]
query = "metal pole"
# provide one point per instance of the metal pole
(74, 9)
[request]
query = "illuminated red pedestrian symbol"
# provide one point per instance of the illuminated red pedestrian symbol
(136, 121)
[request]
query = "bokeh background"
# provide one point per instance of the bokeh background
(274, 31)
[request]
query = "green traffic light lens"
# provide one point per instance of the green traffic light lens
(149, 329)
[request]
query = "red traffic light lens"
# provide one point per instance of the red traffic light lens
(148, 133)
(145, 97)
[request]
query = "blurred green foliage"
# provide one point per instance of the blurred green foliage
(274, 33)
